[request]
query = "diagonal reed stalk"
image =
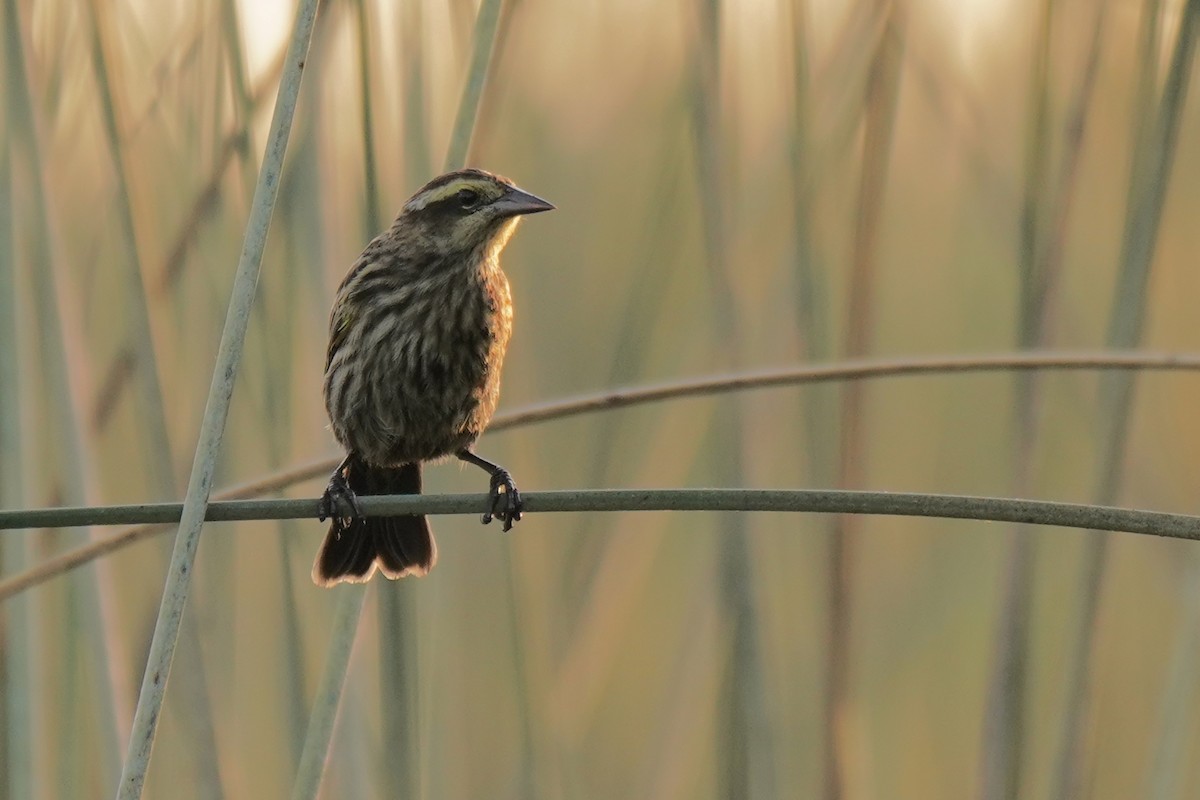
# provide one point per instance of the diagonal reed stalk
(276, 332)
(166, 629)
(1150, 171)
(329, 693)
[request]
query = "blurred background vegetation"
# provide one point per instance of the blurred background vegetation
(740, 184)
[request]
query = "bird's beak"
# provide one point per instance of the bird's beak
(516, 202)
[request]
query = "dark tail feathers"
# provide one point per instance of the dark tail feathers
(399, 546)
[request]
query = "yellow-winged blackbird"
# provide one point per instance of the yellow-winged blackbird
(416, 340)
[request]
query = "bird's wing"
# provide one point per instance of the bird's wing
(339, 329)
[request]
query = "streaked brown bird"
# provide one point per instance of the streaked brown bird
(417, 338)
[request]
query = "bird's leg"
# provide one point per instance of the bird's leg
(339, 500)
(506, 505)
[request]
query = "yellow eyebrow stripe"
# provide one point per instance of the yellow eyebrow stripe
(485, 188)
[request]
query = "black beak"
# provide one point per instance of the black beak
(516, 202)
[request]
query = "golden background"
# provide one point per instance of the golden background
(739, 185)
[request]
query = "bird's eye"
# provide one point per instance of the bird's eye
(468, 198)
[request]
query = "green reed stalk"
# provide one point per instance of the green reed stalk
(166, 630)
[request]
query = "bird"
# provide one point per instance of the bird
(417, 336)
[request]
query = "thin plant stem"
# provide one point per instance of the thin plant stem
(486, 24)
(398, 695)
(816, 501)
(634, 396)
(329, 693)
(166, 629)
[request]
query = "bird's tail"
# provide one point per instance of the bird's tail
(354, 546)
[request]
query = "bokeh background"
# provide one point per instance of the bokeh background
(739, 185)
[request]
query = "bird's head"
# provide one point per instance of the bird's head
(468, 209)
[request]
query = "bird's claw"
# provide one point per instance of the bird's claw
(503, 505)
(339, 500)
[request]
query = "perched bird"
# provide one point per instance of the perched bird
(417, 338)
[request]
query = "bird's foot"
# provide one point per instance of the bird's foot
(339, 500)
(503, 505)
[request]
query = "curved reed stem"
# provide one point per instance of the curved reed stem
(637, 395)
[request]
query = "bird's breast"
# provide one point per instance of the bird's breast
(430, 385)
